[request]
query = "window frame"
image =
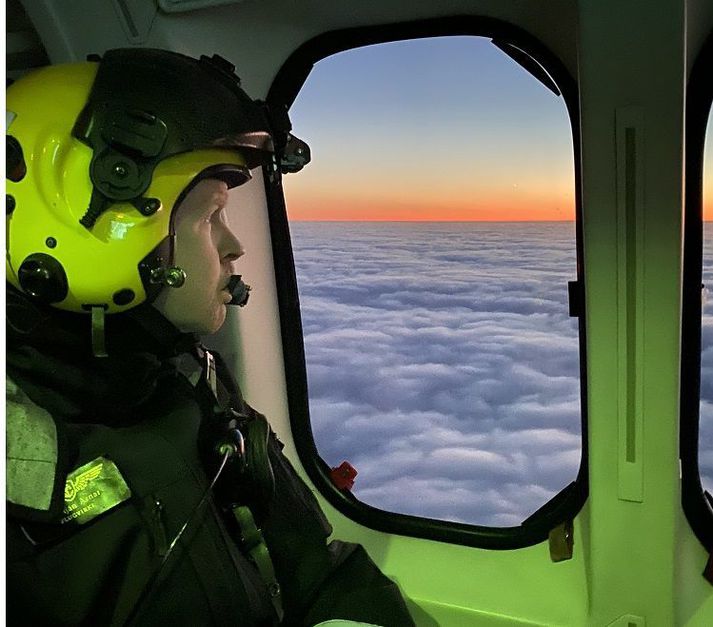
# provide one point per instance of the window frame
(699, 100)
(289, 80)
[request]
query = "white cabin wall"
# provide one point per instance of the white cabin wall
(554, 22)
(250, 340)
(71, 30)
(626, 532)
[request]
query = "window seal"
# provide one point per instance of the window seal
(699, 100)
(283, 91)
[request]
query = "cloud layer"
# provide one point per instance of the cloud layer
(705, 435)
(442, 363)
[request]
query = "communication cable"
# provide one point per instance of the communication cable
(151, 586)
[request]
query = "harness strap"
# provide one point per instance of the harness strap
(254, 543)
(211, 367)
(215, 376)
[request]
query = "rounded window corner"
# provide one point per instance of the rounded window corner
(561, 508)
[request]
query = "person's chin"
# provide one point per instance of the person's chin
(218, 319)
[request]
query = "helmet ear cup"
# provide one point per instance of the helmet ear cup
(43, 277)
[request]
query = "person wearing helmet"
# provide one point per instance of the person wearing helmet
(141, 488)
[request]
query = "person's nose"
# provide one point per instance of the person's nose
(232, 247)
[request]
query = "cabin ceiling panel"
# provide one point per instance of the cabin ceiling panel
(23, 47)
(258, 35)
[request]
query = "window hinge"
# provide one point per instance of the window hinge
(561, 541)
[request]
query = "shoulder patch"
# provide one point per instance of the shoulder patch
(32, 451)
(93, 489)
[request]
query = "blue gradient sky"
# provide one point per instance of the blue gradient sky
(448, 128)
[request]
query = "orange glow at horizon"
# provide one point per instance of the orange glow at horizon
(707, 199)
(318, 207)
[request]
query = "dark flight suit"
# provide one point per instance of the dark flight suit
(136, 417)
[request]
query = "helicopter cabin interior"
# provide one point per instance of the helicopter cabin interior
(406, 107)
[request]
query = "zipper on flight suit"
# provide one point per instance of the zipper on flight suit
(158, 527)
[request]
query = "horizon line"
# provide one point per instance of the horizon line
(429, 221)
(445, 221)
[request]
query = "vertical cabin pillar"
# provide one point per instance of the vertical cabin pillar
(632, 118)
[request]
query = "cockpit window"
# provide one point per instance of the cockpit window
(435, 248)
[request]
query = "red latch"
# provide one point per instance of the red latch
(343, 476)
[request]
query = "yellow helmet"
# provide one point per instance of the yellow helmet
(99, 154)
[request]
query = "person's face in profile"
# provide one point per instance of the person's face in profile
(205, 249)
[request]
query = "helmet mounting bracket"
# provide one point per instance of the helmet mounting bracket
(126, 145)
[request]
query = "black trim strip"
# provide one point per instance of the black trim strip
(699, 99)
(283, 91)
(529, 64)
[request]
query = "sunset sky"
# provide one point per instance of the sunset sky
(431, 129)
(708, 171)
(434, 130)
